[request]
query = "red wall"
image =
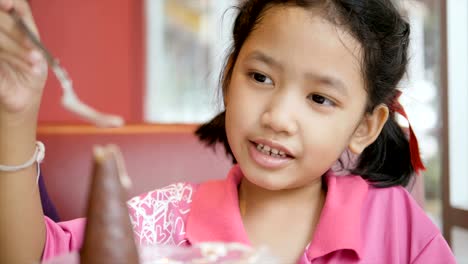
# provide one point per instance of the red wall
(100, 43)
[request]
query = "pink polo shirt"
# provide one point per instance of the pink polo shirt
(358, 223)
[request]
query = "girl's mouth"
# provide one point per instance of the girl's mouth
(273, 149)
(268, 156)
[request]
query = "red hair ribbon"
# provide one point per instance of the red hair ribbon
(416, 161)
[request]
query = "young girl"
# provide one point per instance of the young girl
(305, 81)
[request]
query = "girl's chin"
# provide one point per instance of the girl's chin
(271, 181)
(280, 180)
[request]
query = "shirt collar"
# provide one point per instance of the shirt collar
(215, 214)
(339, 227)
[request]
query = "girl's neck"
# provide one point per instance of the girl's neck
(307, 199)
(284, 220)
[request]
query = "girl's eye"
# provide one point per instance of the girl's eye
(318, 99)
(261, 78)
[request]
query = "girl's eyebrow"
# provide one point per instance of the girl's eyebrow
(262, 57)
(330, 81)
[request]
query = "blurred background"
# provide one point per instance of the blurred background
(157, 64)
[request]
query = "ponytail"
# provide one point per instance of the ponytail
(214, 132)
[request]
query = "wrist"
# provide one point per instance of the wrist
(37, 158)
(14, 120)
(17, 139)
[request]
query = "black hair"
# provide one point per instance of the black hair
(384, 37)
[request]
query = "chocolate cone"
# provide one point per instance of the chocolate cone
(109, 235)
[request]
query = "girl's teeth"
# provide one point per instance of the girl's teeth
(271, 151)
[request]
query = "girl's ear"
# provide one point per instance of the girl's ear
(369, 129)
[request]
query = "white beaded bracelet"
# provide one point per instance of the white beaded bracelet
(38, 157)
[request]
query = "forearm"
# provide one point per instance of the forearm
(22, 228)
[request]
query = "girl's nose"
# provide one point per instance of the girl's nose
(280, 115)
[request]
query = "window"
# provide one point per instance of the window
(186, 45)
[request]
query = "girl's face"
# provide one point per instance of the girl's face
(296, 99)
